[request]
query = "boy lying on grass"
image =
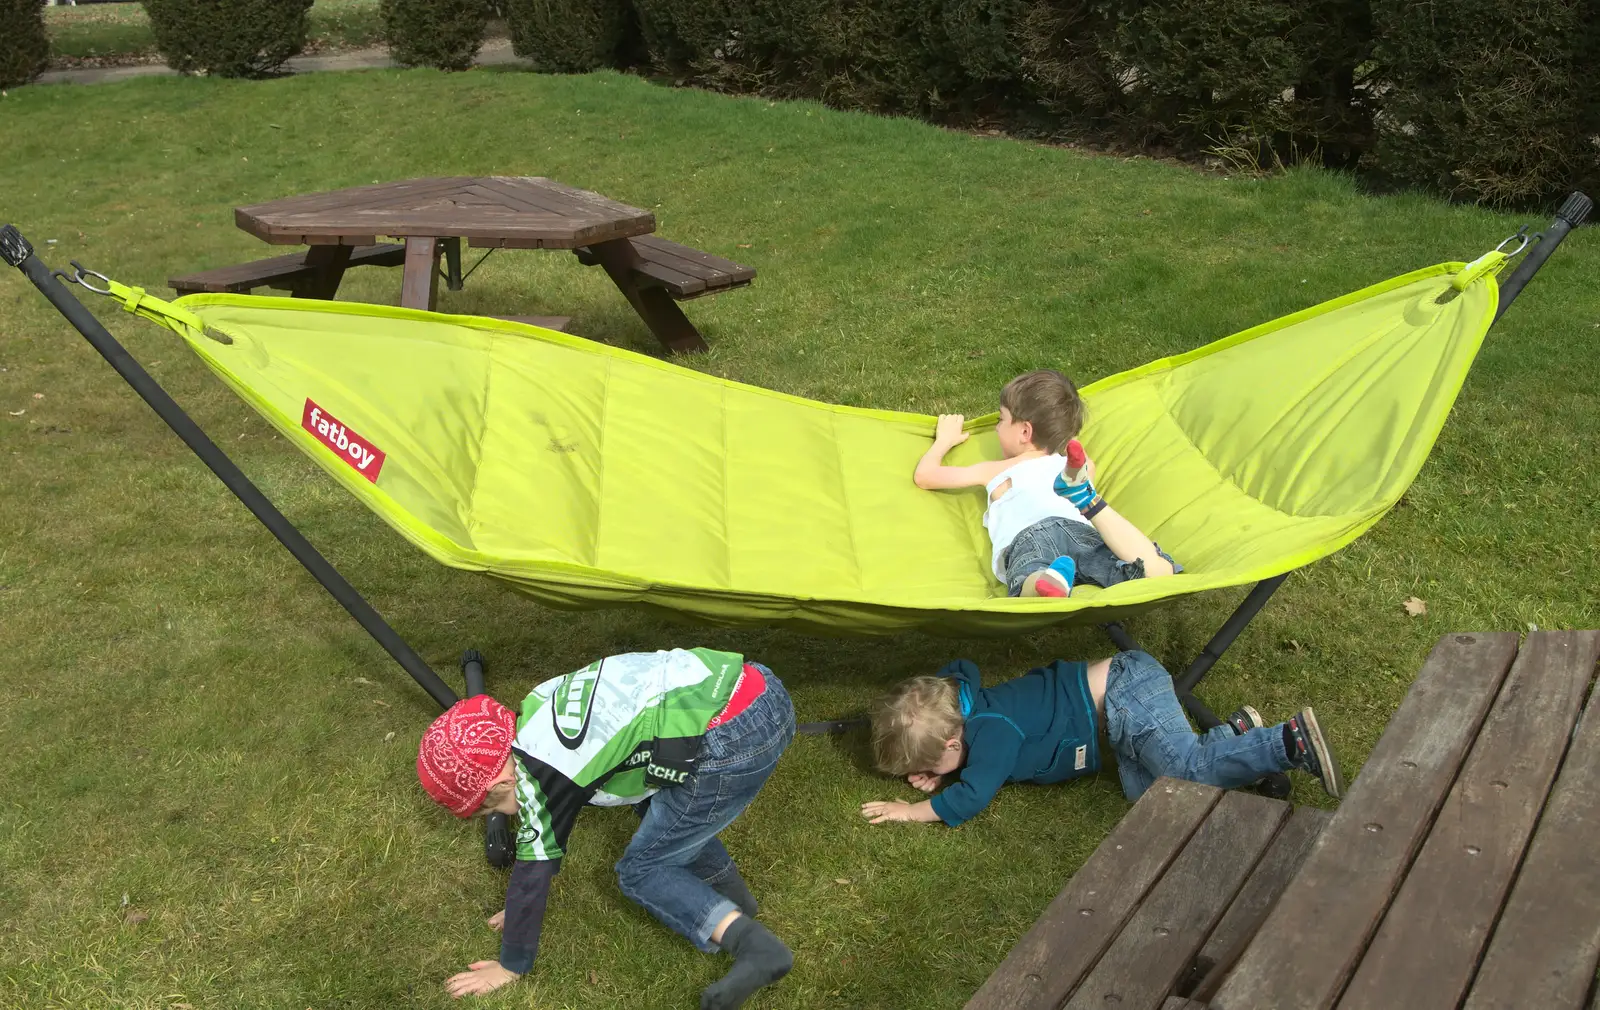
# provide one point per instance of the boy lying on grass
(687, 737)
(1045, 727)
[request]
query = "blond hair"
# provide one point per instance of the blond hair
(912, 723)
(1049, 401)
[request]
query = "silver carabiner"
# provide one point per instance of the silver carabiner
(79, 277)
(1522, 233)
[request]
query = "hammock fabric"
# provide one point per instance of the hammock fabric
(586, 475)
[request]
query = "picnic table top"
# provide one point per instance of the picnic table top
(515, 212)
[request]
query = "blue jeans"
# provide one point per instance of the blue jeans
(1038, 545)
(1152, 737)
(674, 858)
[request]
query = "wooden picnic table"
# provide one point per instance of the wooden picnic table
(1457, 872)
(433, 216)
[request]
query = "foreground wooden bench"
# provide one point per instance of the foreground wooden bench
(307, 273)
(1457, 872)
(1181, 882)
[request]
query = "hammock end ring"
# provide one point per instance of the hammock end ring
(1521, 238)
(81, 277)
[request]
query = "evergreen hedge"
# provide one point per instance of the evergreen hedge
(1487, 101)
(574, 36)
(228, 38)
(445, 34)
(24, 47)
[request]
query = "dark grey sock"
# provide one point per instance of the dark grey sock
(738, 892)
(759, 959)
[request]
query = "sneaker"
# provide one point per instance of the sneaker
(1056, 580)
(1245, 720)
(1311, 753)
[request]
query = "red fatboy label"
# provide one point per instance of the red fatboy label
(366, 458)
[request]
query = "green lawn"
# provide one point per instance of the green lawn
(194, 726)
(116, 33)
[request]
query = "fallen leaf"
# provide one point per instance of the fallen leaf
(380, 701)
(841, 880)
(1415, 607)
(124, 899)
(388, 736)
(38, 396)
(363, 680)
(744, 245)
(594, 977)
(17, 413)
(135, 918)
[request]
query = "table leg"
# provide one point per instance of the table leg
(419, 289)
(327, 263)
(654, 305)
(452, 264)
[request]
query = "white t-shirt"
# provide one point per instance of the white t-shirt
(1031, 497)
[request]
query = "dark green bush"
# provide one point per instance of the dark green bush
(1254, 80)
(573, 36)
(229, 38)
(1488, 101)
(23, 44)
(434, 33)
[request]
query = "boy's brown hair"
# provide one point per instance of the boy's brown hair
(1049, 401)
(911, 724)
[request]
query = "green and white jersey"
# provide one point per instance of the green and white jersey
(612, 733)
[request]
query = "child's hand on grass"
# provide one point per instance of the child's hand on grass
(923, 781)
(949, 433)
(882, 811)
(497, 921)
(479, 978)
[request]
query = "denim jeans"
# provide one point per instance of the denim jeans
(675, 857)
(1038, 545)
(1152, 737)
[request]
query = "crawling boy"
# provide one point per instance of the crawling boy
(1045, 727)
(689, 735)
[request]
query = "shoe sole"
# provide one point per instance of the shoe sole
(1254, 716)
(1049, 584)
(1331, 783)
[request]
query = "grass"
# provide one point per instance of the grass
(194, 727)
(106, 34)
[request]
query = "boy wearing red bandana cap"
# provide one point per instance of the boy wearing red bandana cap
(687, 737)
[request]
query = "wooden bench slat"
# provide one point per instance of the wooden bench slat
(1258, 896)
(1465, 868)
(279, 271)
(683, 272)
(1159, 942)
(1307, 948)
(1047, 962)
(1545, 946)
(694, 262)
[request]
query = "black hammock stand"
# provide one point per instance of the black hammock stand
(16, 251)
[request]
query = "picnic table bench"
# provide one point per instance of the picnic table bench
(1457, 872)
(434, 216)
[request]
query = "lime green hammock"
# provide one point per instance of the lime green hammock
(585, 475)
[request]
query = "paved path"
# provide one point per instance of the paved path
(494, 51)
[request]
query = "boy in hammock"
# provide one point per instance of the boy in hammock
(1048, 527)
(1044, 727)
(688, 737)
